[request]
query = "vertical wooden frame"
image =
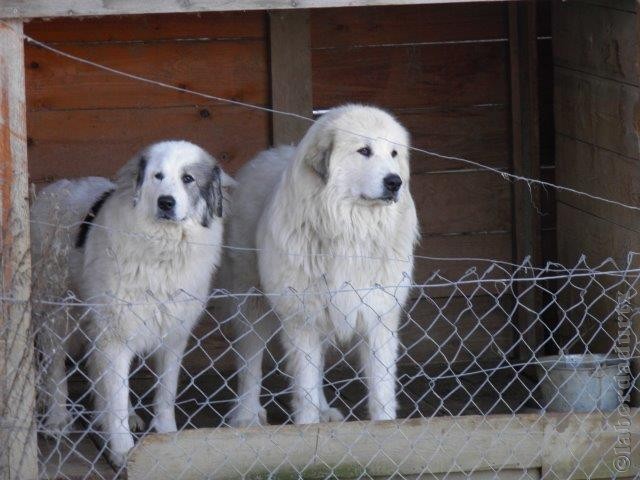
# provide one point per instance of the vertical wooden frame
(18, 449)
(291, 90)
(523, 57)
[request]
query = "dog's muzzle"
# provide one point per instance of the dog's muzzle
(166, 205)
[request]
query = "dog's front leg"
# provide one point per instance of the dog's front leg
(379, 352)
(54, 378)
(304, 362)
(109, 366)
(168, 358)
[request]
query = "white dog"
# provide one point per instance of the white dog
(143, 258)
(330, 221)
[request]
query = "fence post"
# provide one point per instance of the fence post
(18, 444)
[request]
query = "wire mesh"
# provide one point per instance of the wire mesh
(494, 355)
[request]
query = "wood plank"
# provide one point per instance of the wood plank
(611, 56)
(576, 446)
(580, 166)
(597, 238)
(290, 80)
(411, 76)
(525, 128)
(494, 246)
(462, 202)
(97, 142)
(523, 56)
(229, 69)
(587, 446)
(193, 26)
(597, 111)
(81, 8)
(18, 454)
(624, 5)
(436, 445)
(344, 27)
(478, 133)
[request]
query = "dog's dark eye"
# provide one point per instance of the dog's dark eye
(187, 178)
(394, 154)
(159, 176)
(366, 151)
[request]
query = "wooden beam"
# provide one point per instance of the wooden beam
(570, 445)
(80, 8)
(291, 89)
(18, 450)
(635, 319)
(526, 224)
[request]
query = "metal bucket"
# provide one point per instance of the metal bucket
(580, 383)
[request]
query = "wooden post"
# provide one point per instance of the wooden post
(523, 53)
(290, 74)
(635, 319)
(18, 449)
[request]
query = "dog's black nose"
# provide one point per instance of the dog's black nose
(392, 182)
(166, 202)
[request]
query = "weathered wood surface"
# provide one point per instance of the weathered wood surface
(154, 27)
(76, 143)
(235, 69)
(525, 132)
(596, 117)
(582, 233)
(462, 202)
(597, 111)
(18, 451)
(629, 6)
(84, 121)
(437, 445)
(611, 54)
(75, 8)
(290, 60)
(598, 171)
(358, 27)
(457, 74)
(568, 445)
(479, 133)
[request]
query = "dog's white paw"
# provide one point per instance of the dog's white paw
(118, 450)
(331, 415)
(163, 425)
(244, 418)
(136, 424)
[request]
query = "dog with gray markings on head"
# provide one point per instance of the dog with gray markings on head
(142, 261)
(326, 231)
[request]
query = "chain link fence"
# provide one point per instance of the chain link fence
(506, 371)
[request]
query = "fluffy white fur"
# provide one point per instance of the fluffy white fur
(147, 270)
(327, 232)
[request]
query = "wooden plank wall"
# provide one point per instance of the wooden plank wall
(82, 120)
(596, 90)
(443, 69)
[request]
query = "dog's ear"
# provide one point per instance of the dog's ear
(139, 178)
(213, 194)
(318, 146)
